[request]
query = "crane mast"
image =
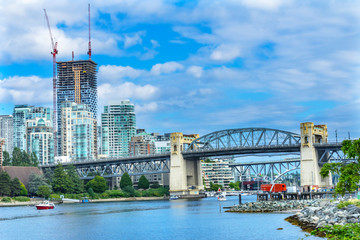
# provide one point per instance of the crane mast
(53, 53)
(89, 52)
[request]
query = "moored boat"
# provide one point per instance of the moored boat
(45, 205)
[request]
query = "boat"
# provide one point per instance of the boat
(45, 205)
(84, 200)
(174, 197)
(222, 197)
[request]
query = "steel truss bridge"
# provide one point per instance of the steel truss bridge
(230, 142)
(134, 166)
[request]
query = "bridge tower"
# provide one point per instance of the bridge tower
(185, 174)
(309, 156)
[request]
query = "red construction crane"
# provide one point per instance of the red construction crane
(53, 53)
(89, 52)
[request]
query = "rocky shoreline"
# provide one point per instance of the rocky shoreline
(311, 218)
(273, 206)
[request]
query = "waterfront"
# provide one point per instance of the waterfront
(179, 219)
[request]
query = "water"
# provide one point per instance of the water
(179, 219)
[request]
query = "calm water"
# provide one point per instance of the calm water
(179, 219)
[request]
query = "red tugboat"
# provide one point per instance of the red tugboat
(45, 205)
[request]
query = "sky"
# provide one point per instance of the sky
(195, 66)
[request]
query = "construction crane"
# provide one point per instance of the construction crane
(53, 53)
(89, 52)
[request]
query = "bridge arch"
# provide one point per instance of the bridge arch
(244, 137)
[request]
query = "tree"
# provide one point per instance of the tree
(25, 159)
(77, 185)
(91, 192)
(44, 191)
(34, 160)
(143, 182)
(35, 181)
(61, 180)
(15, 187)
(349, 174)
(23, 191)
(125, 181)
(5, 184)
(98, 184)
(6, 159)
(16, 157)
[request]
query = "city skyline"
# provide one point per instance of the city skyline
(195, 67)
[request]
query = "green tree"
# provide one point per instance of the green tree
(61, 180)
(44, 191)
(143, 182)
(77, 185)
(34, 160)
(125, 181)
(16, 157)
(6, 159)
(35, 181)
(349, 174)
(91, 192)
(5, 184)
(23, 191)
(15, 187)
(98, 184)
(25, 159)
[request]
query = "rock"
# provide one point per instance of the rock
(321, 224)
(279, 229)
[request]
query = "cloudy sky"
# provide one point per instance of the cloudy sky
(195, 66)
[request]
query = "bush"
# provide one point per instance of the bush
(337, 232)
(6, 199)
(347, 203)
(22, 199)
(130, 190)
(155, 185)
(55, 197)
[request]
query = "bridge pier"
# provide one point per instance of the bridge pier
(185, 174)
(309, 156)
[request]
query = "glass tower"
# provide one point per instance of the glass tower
(7, 132)
(118, 125)
(39, 139)
(76, 82)
(21, 114)
(78, 132)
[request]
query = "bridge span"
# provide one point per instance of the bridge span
(183, 162)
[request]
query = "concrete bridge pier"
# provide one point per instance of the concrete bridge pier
(309, 156)
(185, 174)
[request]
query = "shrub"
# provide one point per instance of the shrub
(6, 199)
(337, 232)
(21, 199)
(155, 185)
(130, 190)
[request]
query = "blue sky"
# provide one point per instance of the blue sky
(195, 66)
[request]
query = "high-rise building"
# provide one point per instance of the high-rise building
(217, 171)
(6, 132)
(21, 114)
(39, 139)
(76, 82)
(78, 132)
(142, 144)
(118, 123)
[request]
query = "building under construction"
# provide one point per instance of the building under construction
(76, 82)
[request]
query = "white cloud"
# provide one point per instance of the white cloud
(30, 90)
(134, 39)
(196, 71)
(265, 4)
(113, 73)
(225, 52)
(165, 68)
(108, 92)
(147, 107)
